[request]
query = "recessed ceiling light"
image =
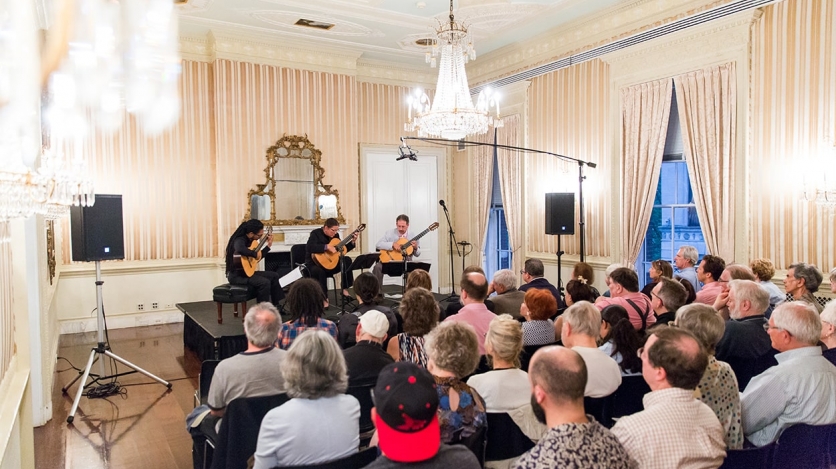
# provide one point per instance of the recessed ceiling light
(314, 24)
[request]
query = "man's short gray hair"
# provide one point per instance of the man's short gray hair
(833, 274)
(810, 274)
(314, 366)
(261, 324)
(672, 294)
(506, 278)
(753, 292)
(584, 318)
(800, 319)
(690, 253)
(828, 314)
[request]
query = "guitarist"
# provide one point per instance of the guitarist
(266, 283)
(389, 241)
(318, 242)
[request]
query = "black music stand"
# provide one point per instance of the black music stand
(402, 269)
(364, 261)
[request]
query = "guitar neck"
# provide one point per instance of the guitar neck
(419, 236)
(347, 239)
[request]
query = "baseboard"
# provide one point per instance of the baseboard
(75, 326)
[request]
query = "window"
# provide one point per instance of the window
(497, 248)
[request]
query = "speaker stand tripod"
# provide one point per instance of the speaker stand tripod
(102, 348)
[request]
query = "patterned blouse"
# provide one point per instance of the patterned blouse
(411, 349)
(578, 445)
(468, 416)
(718, 390)
(290, 331)
(538, 332)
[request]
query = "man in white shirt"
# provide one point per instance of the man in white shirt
(581, 327)
(800, 388)
(389, 242)
(685, 260)
(674, 429)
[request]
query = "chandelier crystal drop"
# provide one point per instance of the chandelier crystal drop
(452, 115)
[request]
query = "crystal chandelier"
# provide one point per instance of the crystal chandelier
(821, 188)
(452, 114)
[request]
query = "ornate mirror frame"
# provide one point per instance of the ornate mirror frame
(294, 146)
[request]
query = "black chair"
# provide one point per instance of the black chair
(627, 399)
(804, 446)
(505, 440)
(204, 379)
(749, 458)
(235, 294)
(475, 443)
(297, 258)
(238, 436)
(601, 408)
(355, 461)
(363, 393)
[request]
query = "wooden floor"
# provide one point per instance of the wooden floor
(144, 428)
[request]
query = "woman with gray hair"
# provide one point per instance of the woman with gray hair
(802, 281)
(833, 280)
(828, 330)
(718, 386)
(319, 423)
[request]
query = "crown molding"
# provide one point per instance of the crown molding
(373, 71)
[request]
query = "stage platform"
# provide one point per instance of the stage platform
(210, 340)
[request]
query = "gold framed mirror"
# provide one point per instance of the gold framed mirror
(293, 193)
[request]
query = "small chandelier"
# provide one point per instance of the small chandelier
(452, 115)
(822, 188)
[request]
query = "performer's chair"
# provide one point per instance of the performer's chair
(235, 294)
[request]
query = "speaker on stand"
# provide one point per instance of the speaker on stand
(560, 220)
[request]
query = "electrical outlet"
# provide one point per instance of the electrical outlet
(169, 306)
(140, 307)
(155, 306)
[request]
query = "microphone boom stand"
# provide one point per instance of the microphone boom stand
(452, 240)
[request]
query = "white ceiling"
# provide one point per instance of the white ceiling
(383, 30)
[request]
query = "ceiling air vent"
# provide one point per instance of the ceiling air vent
(314, 24)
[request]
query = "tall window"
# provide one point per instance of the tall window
(497, 248)
(674, 222)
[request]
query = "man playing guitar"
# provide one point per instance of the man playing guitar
(266, 283)
(389, 241)
(317, 243)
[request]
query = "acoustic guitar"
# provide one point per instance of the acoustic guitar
(397, 255)
(250, 264)
(330, 260)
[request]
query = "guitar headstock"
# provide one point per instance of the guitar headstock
(361, 227)
(433, 227)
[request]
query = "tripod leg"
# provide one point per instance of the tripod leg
(131, 365)
(81, 386)
(77, 377)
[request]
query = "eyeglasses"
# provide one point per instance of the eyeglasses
(639, 352)
(767, 327)
(522, 272)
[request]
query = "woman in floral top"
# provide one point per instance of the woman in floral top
(718, 386)
(307, 306)
(453, 353)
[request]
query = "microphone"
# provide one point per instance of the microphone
(441, 202)
(463, 243)
(406, 152)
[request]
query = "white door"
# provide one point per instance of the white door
(390, 188)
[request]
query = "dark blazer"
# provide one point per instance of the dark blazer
(508, 302)
(544, 284)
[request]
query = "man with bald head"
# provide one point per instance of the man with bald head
(558, 377)
(674, 429)
(474, 287)
(800, 388)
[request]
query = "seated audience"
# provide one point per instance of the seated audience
(507, 299)
(708, 273)
(745, 345)
(581, 326)
(365, 360)
(718, 386)
(658, 269)
(474, 290)
(620, 340)
(367, 290)
(731, 272)
(558, 379)
(828, 331)
(454, 306)
(406, 418)
(306, 303)
(452, 349)
(532, 275)
(692, 294)
(674, 429)
(583, 271)
(537, 307)
(608, 273)
(764, 270)
(666, 298)
(420, 316)
(685, 261)
(802, 281)
(419, 278)
(624, 291)
(319, 423)
(800, 388)
(578, 290)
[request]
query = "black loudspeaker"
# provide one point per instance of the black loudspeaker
(560, 213)
(96, 231)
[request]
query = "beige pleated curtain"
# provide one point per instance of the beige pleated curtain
(707, 101)
(481, 158)
(645, 111)
(510, 176)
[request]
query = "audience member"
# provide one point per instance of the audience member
(508, 299)
(685, 261)
(745, 345)
(454, 306)
(584, 271)
(828, 331)
(708, 273)
(718, 386)
(365, 360)
(319, 423)
(406, 417)
(666, 298)
(367, 290)
(692, 294)
(674, 429)
(558, 378)
(731, 272)
(658, 269)
(419, 278)
(624, 291)
(420, 316)
(581, 326)
(537, 306)
(620, 340)
(452, 349)
(800, 388)
(532, 275)
(802, 281)
(833, 280)
(608, 273)
(306, 303)
(474, 290)
(764, 270)
(578, 290)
